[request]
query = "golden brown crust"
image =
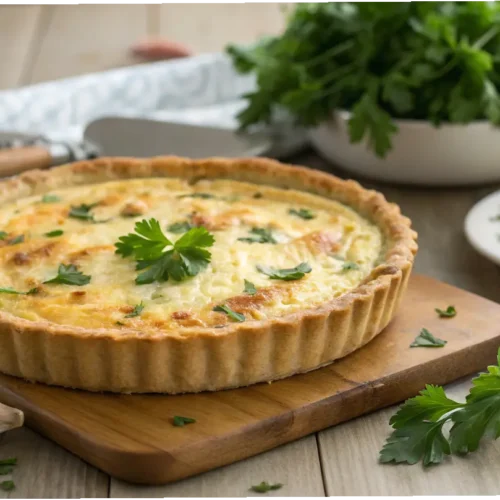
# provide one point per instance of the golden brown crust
(200, 358)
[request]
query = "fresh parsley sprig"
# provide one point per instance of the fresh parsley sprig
(162, 259)
(343, 56)
(418, 425)
(69, 275)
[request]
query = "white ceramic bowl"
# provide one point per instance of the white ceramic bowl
(482, 227)
(421, 153)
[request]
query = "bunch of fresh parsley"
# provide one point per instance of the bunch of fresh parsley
(419, 425)
(433, 61)
(160, 258)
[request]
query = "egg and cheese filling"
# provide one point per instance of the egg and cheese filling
(252, 226)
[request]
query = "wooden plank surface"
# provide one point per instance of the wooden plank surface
(295, 465)
(209, 27)
(132, 437)
(355, 470)
(46, 470)
(87, 38)
(18, 32)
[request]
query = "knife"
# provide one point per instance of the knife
(142, 137)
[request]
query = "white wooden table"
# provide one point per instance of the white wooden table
(39, 43)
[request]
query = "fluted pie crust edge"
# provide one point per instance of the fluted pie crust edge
(209, 359)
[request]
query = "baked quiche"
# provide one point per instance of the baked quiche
(174, 275)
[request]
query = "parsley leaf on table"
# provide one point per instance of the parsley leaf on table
(136, 312)
(449, 312)
(418, 424)
(8, 461)
(236, 316)
(295, 273)
(259, 235)
(186, 257)
(181, 421)
(6, 469)
(7, 485)
(426, 339)
(249, 288)
(303, 213)
(264, 487)
(69, 275)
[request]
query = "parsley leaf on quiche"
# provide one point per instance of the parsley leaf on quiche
(137, 311)
(161, 259)
(82, 212)
(232, 314)
(295, 273)
(259, 235)
(303, 213)
(69, 275)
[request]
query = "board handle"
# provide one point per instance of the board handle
(16, 160)
(10, 418)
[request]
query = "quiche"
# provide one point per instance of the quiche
(172, 275)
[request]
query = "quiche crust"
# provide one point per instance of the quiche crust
(206, 358)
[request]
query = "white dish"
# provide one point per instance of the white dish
(421, 154)
(482, 232)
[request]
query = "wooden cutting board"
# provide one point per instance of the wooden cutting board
(132, 436)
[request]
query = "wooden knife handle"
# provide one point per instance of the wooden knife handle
(17, 160)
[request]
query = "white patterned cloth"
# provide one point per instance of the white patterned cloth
(201, 90)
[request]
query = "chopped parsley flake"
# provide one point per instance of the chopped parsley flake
(295, 273)
(136, 312)
(3, 235)
(33, 291)
(82, 212)
(180, 227)
(249, 288)
(16, 240)
(203, 196)
(50, 198)
(7, 485)
(349, 266)
(449, 312)
(426, 339)
(182, 421)
(303, 213)
(232, 314)
(264, 487)
(53, 234)
(69, 275)
(259, 235)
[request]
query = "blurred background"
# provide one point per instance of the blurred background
(40, 43)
